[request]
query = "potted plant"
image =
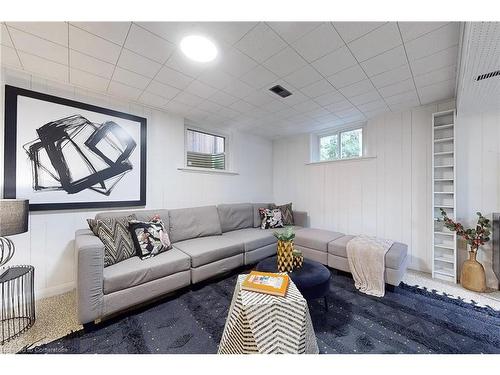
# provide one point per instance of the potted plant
(285, 249)
(472, 276)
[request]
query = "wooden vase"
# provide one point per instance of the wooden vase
(285, 256)
(473, 276)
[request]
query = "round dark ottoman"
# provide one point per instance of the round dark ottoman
(313, 279)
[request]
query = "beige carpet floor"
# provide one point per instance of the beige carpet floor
(56, 316)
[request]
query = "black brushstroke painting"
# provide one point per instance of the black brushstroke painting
(57, 137)
(74, 154)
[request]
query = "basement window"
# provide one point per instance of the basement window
(338, 145)
(205, 150)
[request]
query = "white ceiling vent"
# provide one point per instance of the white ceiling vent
(488, 75)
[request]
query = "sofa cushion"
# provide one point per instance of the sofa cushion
(134, 271)
(210, 249)
(252, 238)
(393, 258)
(187, 223)
(257, 220)
(141, 215)
(316, 239)
(235, 216)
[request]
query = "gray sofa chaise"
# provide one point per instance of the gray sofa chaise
(207, 241)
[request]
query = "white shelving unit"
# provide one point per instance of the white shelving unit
(444, 242)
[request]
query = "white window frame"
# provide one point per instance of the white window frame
(227, 161)
(316, 138)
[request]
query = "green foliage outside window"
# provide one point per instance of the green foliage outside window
(351, 145)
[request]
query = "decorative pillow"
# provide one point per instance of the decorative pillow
(270, 218)
(286, 213)
(115, 235)
(150, 237)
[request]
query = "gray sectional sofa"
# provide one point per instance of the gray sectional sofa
(207, 241)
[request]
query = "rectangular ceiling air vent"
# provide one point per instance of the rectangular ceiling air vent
(488, 75)
(278, 90)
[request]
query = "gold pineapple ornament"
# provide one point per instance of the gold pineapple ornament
(298, 259)
(285, 249)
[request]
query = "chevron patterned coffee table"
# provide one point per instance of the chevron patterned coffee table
(263, 323)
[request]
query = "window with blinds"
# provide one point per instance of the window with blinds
(205, 150)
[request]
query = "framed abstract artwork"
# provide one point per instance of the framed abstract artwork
(63, 154)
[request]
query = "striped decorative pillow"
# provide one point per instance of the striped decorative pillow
(115, 235)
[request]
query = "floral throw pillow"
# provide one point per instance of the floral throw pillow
(270, 218)
(286, 213)
(150, 237)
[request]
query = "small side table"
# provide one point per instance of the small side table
(17, 311)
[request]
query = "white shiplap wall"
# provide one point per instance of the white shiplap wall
(478, 176)
(387, 196)
(49, 243)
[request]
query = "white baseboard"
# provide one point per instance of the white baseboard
(54, 291)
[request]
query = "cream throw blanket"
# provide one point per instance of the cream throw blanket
(366, 256)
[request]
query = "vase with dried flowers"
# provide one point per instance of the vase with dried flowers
(472, 276)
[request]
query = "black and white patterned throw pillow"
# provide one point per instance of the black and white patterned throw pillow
(150, 237)
(270, 218)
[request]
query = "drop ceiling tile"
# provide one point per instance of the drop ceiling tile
(413, 30)
(238, 88)
(329, 98)
(291, 31)
(384, 62)
(260, 43)
(90, 64)
(215, 78)
(348, 113)
(303, 77)
(9, 57)
(306, 106)
(153, 100)
(273, 106)
(372, 106)
(242, 106)
(319, 42)
(357, 88)
(148, 44)
(317, 89)
(392, 76)
(328, 118)
(201, 89)
(335, 62)
(170, 31)
(209, 106)
(376, 112)
(435, 61)
(284, 62)
(444, 74)
(437, 91)
(173, 78)
(403, 106)
(229, 113)
(354, 30)
(92, 45)
(5, 37)
(382, 39)
(236, 63)
(259, 98)
(402, 98)
(317, 113)
(115, 32)
(296, 97)
(177, 107)
(339, 106)
(130, 78)
(259, 77)
(435, 41)
(228, 32)
(56, 32)
(347, 77)
(43, 67)
(186, 66)
(87, 80)
(160, 89)
(188, 99)
(367, 97)
(138, 64)
(397, 88)
(40, 47)
(223, 99)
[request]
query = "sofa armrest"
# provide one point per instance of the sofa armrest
(300, 218)
(90, 257)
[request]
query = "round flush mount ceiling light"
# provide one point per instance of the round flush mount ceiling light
(198, 48)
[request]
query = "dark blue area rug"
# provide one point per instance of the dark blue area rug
(406, 320)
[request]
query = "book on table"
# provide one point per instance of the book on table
(265, 282)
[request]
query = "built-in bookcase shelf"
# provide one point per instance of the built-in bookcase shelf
(444, 242)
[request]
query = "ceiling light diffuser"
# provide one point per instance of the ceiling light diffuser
(198, 48)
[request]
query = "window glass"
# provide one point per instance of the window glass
(329, 147)
(351, 144)
(204, 150)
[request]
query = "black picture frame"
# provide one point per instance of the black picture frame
(10, 142)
